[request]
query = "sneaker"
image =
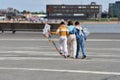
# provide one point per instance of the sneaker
(66, 56)
(76, 57)
(61, 54)
(84, 57)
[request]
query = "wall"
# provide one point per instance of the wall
(25, 26)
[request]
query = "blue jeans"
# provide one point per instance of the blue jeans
(80, 44)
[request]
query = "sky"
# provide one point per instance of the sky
(40, 5)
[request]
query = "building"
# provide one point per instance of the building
(74, 12)
(114, 9)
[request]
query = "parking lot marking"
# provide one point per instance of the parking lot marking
(10, 58)
(58, 70)
(7, 39)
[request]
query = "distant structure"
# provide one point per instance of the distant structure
(74, 12)
(114, 9)
(9, 12)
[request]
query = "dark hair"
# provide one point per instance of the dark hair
(70, 23)
(62, 23)
(77, 23)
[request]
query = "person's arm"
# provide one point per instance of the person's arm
(58, 30)
(53, 32)
(48, 27)
(48, 30)
(85, 36)
(44, 30)
(67, 32)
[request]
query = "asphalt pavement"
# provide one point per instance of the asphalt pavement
(30, 56)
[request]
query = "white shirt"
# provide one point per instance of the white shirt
(46, 29)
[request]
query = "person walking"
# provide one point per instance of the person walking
(80, 37)
(71, 40)
(63, 32)
(46, 30)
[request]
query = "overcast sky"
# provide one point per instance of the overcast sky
(40, 5)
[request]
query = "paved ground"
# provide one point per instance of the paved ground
(29, 56)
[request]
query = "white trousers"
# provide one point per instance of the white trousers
(72, 45)
(63, 45)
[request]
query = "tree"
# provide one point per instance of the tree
(25, 11)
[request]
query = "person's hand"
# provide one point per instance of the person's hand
(85, 39)
(53, 33)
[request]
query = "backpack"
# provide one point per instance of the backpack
(85, 33)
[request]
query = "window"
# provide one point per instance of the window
(75, 11)
(83, 10)
(63, 6)
(88, 10)
(96, 7)
(92, 6)
(79, 10)
(79, 14)
(54, 6)
(83, 6)
(79, 6)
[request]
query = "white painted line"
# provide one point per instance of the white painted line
(30, 48)
(30, 58)
(8, 55)
(28, 52)
(23, 39)
(106, 49)
(51, 47)
(54, 53)
(61, 71)
(58, 59)
(103, 40)
(33, 53)
(97, 55)
(99, 40)
(36, 48)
